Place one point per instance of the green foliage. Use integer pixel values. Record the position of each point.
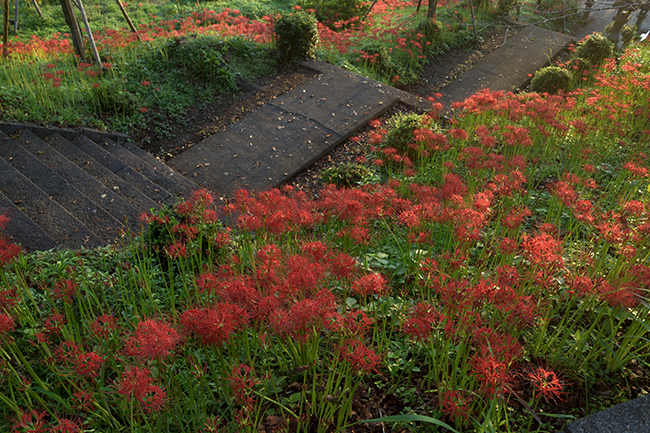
(348, 174)
(296, 35)
(202, 57)
(374, 54)
(430, 29)
(400, 134)
(330, 11)
(595, 48)
(551, 80)
(111, 97)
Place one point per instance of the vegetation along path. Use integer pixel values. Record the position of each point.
(480, 265)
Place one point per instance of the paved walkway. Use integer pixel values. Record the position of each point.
(290, 133)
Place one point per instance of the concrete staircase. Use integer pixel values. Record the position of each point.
(69, 188)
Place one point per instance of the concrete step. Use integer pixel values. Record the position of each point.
(57, 222)
(22, 230)
(106, 177)
(58, 189)
(123, 170)
(144, 168)
(160, 166)
(78, 178)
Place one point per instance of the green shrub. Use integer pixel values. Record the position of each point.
(296, 35)
(202, 57)
(330, 11)
(578, 65)
(551, 79)
(430, 29)
(595, 48)
(400, 134)
(348, 174)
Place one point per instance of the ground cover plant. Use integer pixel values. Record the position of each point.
(488, 274)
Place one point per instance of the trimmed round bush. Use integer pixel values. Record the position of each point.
(296, 35)
(596, 48)
(551, 79)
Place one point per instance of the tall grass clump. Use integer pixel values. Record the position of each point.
(494, 280)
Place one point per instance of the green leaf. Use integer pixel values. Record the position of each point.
(410, 418)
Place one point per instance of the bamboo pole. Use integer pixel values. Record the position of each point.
(89, 32)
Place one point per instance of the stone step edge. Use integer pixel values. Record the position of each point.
(68, 133)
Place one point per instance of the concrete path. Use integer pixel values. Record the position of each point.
(288, 134)
(510, 66)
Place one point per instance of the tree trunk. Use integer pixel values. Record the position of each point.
(71, 20)
(5, 33)
(433, 5)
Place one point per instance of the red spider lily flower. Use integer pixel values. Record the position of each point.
(65, 289)
(343, 266)
(152, 340)
(546, 385)
(491, 374)
(515, 217)
(456, 404)
(6, 325)
(32, 421)
(133, 381)
(137, 382)
(242, 381)
(618, 295)
(176, 250)
(507, 276)
(103, 326)
(581, 286)
(423, 321)
(543, 250)
(356, 323)
(8, 251)
(634, 208)
(67, 352)
(216, 325)
(88, 364)
(371, 284)
(207, 283)
(54, 323)
(636, 170)
(362, 359)
(508, 246)
(306, 317)
(67, 425)
(85, 400)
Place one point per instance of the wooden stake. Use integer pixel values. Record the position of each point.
(38, 10)
(16, 20)
(128, 20)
